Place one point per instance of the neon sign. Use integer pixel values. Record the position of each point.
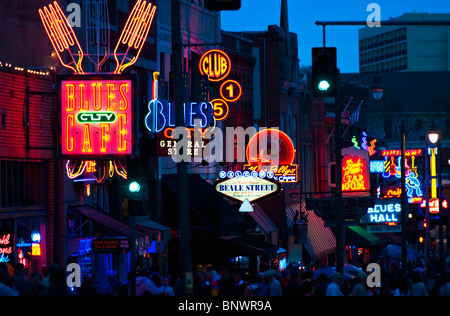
(231, 91)
(5, 247)
(96, 116)
(215, 64)
(162, 115)
(284, 170)
(383, 211)
(245, 185)
(355, 171)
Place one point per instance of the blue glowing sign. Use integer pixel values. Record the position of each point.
(376, 166)
(384, 211)
(162, 115)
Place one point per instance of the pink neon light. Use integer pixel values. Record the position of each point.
(89, 138)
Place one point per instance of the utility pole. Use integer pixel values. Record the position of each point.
(183, 189)
(340, 237)
(404, 202)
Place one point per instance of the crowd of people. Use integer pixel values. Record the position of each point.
(207, 281)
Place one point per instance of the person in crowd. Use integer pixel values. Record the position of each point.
(57, 282)
(402, 287)
(360, 287)
(444, 287)
(334, 288)
(222, 271)
(35, 286)
(294, 288)
(321, 285)
(275, 285)
(417, 287)
(6, 287)
(146, 286)
(263, 288)
(168, 288)
(18, 280)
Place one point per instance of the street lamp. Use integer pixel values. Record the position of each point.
(377, 88)
(434, 147)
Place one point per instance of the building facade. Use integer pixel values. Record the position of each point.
(405, 48)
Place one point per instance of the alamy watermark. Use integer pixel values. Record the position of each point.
(374, 277)
(374, 18)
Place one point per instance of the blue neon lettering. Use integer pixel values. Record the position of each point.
(192, 113)
(159, 113)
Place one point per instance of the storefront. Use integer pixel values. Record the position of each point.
(100, 244)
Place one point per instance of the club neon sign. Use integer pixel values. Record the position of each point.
(215, 64)
(96, 115)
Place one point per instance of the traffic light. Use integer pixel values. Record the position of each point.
(324, 72)
(136, 206)
(219, 5)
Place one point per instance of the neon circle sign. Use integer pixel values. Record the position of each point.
(286, 148)
(215, 64)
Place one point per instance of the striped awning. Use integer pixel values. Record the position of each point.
(320, 239)
(263, 220)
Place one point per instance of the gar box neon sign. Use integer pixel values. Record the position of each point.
(96, 116)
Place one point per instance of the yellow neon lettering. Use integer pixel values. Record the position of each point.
(105, 136)
(85, 104)
(111, 105)
(97, 106)
(70, 97)
(69, 140)
(122, 132)
(87, 139)
(123, 104)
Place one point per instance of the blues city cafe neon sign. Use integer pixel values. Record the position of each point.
(245, 185)
(96, 115)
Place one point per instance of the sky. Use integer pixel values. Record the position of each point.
(256, 15)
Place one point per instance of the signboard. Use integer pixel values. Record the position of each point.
(108, 245)
(374, 229)
(284, 170)
(355, 172)
(215, 64)
(7, 241)
(241, 186)
(384, 211)
(96, 116)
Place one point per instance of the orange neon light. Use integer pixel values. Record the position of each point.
(215, 64)
(62, 36)
(221, 109)
(70, 171)
(134, 34)
(397, 152)
(231, 91)
(354, 174)
(96, 117)
(287, 149)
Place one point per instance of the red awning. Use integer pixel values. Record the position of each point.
(320, 239)
(112, 223)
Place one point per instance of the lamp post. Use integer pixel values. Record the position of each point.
(436, 184)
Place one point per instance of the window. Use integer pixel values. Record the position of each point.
(23, 184)
(2, 119)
